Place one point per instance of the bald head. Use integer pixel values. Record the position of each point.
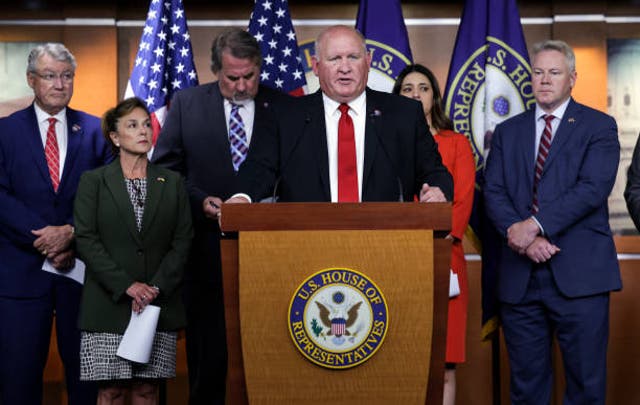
(341, 63)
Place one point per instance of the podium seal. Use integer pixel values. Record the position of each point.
(338, 318)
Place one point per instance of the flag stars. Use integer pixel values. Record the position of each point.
(186, 36)
(291, 35)
(138, 60)
(280, 13)
(159, 52)
(297, 75)
(192, 75)
(283, 67)
(179, 13)
(152, 15)
(273, 44)
(286, 51)
(148, 30)
(175, 29)
(259, 36)
(179, 68)
(184, 51)
(176, 84)
(267, 5)
(264, 76)
(164, 20)
(263, 21)
(268, 59)
(171, 45)
(277, 28)
(162, 36)
(153, 84)
(279, 83)
(156, 67)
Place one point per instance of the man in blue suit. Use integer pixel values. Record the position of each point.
(548, 177)
(43, 151)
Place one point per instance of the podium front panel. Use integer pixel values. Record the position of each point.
(273, 264)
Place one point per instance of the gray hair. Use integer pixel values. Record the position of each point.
(239, 43)
(560, 46)
(55, 50)
(321, 37)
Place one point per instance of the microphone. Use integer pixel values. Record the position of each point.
(372, 116)
(307, 121)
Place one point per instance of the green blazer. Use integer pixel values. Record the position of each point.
(117, 255)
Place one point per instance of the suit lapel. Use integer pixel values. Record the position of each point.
(563, 133)
(316, 129)
(372, 132)
(527, 146)
(155, 188)
(114, 180)
(216, 124)
(36, 148)
(74, 140)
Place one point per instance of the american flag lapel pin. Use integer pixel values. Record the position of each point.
(160, 179)
(75, 128)
(571, 120)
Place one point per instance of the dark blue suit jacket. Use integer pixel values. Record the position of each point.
(27, 199)
(578, 176)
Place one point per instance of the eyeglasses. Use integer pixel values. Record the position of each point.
(65, 77)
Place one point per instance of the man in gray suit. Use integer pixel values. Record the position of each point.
(206, 137)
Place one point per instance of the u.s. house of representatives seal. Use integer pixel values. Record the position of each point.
(338, 318)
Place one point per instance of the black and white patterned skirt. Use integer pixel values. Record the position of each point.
(98, 359)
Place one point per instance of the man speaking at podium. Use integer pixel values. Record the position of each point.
(345, 143)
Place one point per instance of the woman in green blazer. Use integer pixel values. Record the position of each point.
(133, 231)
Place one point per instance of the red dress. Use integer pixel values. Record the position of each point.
(458, 158)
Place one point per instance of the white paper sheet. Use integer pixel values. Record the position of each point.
(76, 273)
(137, 341)
(454, 286)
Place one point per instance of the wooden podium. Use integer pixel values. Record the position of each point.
(399, 246)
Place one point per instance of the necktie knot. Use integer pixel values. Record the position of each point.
(52, 121)
(344, 108)
(548, 118)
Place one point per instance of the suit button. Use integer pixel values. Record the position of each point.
(140, 252)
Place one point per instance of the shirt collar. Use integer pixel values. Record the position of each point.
(358, 105)
(42, 115)
(558, 112)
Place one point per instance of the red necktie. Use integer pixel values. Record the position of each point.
(347, 167)
(543, 152)
(53, 154)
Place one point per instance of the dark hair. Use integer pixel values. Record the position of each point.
(111, 117)
(239, 43)
(439, 119)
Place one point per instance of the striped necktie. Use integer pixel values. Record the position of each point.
(237, 137)
(52, 153)
(543, 152)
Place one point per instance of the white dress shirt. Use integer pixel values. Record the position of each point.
(357, 112)
(61, 131)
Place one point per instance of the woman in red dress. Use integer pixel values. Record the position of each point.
(418, 82)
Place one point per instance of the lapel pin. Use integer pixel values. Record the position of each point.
(160, 179)
(75, 128)
(571, 120)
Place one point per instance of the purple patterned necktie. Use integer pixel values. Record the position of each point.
(543, 152)
(237, 137)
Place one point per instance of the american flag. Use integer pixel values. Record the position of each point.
(164, 63)
(271, 26)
